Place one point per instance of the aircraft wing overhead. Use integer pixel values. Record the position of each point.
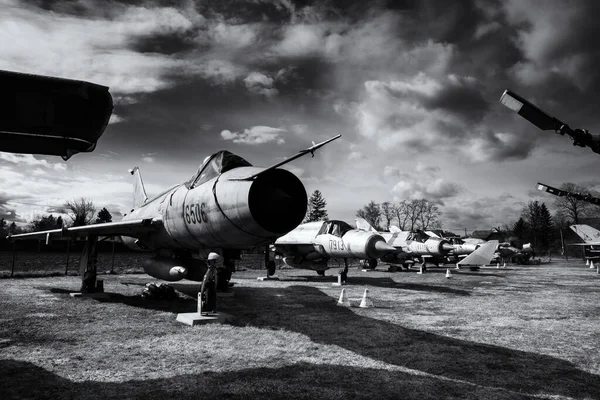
(482, 256)
(123, 228)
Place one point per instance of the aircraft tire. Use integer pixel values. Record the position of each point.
(321, 273)
(271, 268)
(372, 264)
(223, 277)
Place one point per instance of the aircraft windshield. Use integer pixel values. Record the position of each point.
(215, 165)
(418, 236)
(335, 228)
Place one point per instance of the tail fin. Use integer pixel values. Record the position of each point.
(363, 225)
(586, 232)
(482, 256)
(139, 193)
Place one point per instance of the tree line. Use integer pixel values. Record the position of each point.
(407, 215)
(80, 212)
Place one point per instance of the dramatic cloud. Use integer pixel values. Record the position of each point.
(255, 135)
(435, 191)
(413, 87)
(29, 160)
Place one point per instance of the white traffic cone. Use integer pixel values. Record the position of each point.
(366, 302)
(504, 266)
(591, 264)
(498, 264)
(448, 273)
(343, 301)
(587, 261)
(598, 269)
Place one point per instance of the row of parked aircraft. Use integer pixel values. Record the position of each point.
(228, 205)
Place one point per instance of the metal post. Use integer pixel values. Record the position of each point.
(112, 267)
(68, 249)
(12, 268)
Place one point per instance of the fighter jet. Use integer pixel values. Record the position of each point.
(227, 205)
(313, 244)
(420, 246)
(411, 245)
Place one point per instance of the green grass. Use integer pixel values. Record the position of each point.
(519, 332)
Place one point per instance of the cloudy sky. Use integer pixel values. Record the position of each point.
(413, 87)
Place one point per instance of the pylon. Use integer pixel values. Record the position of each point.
(591, 264)
(598, 269)
(448, 273)
(504, 266)
(343, 301)
(498, 264)
(587, 261)
(366, 302)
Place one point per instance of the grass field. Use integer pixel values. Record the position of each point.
(518, 332)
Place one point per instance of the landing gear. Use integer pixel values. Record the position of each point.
(372, 263)
(344, 271)
(208, 291)
(87, 266)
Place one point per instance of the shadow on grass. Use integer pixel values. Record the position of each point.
(352, 280)
(431, 288)
(491, 366)
(20, 379)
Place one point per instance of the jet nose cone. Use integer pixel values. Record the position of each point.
(447, 247)
(379, 248)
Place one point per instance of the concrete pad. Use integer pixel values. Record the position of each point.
(267, 278)
(98, 295)
(195, 318)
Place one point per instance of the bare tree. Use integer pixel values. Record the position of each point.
(569, 207)
(81, 211)
(429, 213)
(388, 213)
(401, 212)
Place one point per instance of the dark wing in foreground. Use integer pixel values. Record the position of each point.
(124, 228)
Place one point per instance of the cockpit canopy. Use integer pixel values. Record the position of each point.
(418, 236)
(335, 228)
(213, 166)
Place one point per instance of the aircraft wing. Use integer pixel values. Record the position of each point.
(584, 244)
(482, 256)
(123, 228)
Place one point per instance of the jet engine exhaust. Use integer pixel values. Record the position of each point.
(277, 201)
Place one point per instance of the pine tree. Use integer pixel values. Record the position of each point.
(103, 216)
(316, 208)
(520, 229)
(546, 228)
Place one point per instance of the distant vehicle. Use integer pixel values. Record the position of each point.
(312, 245)
(226, 206)
(51, 116)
